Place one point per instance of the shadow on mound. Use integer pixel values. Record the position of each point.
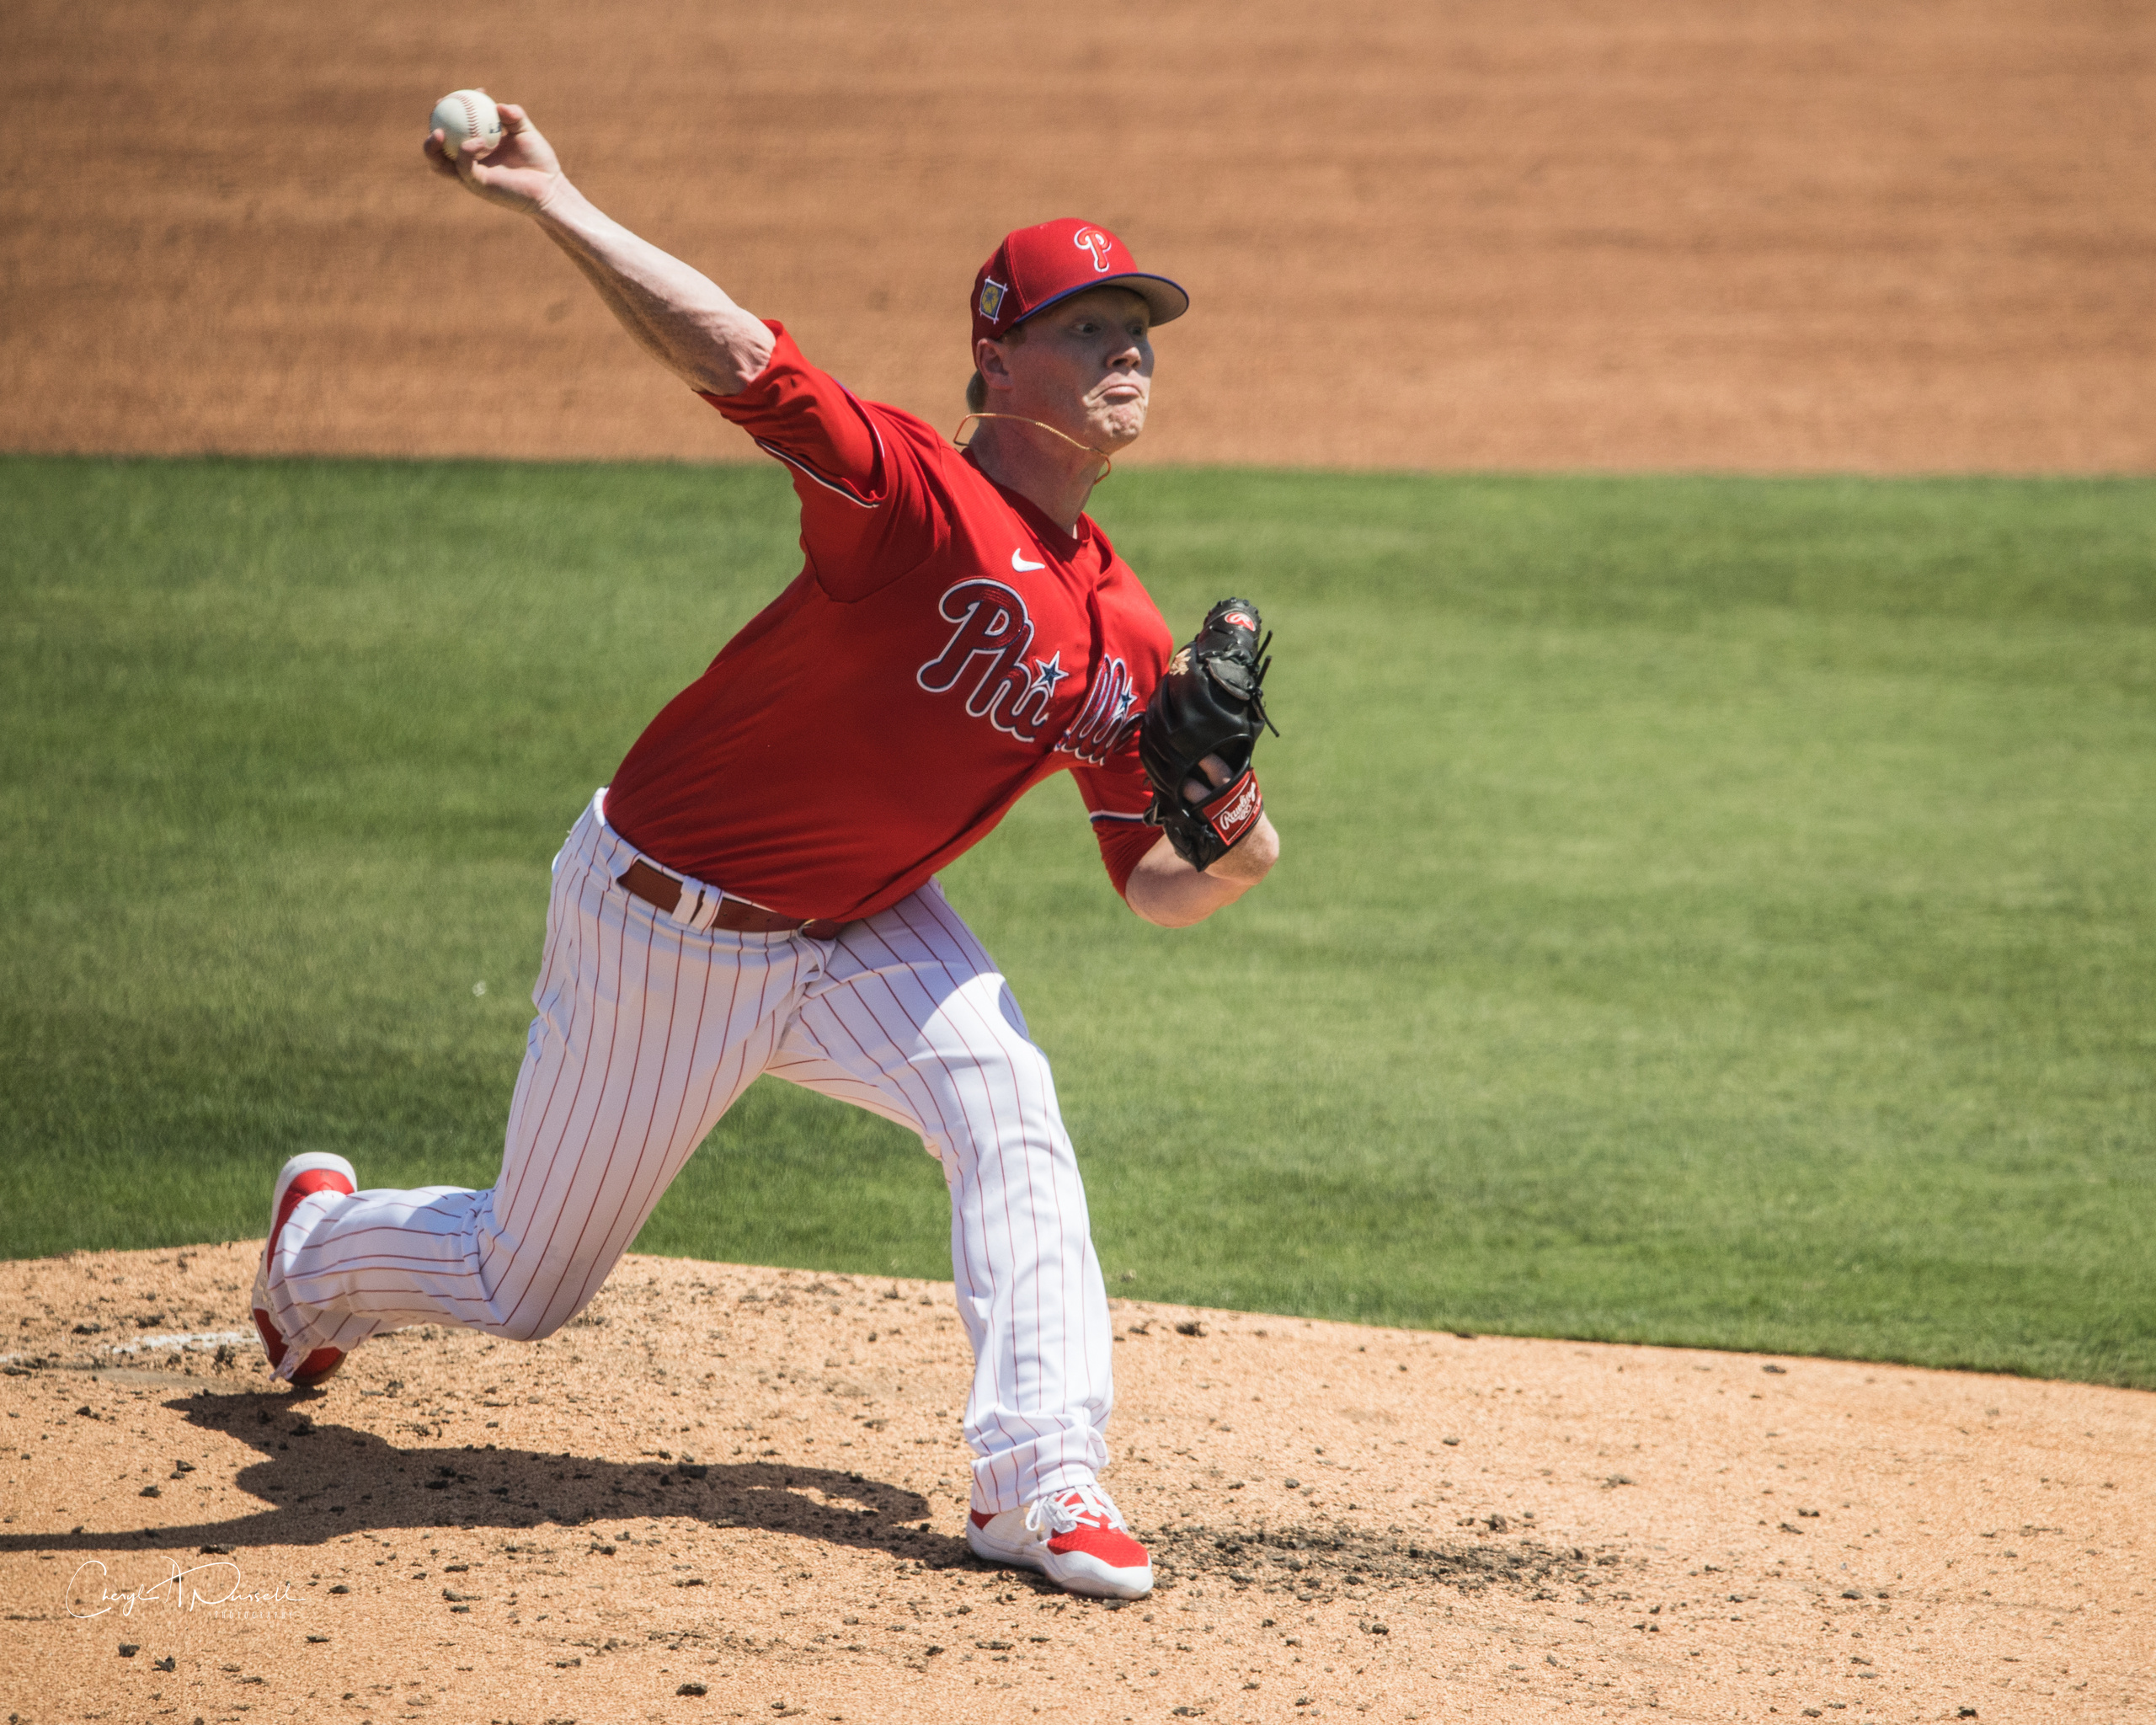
(1322, 1564)
(324, 1481)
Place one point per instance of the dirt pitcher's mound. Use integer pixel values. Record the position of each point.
(741, 1492)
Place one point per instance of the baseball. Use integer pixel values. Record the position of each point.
(466, 114)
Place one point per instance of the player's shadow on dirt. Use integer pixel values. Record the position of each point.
(323, 1481)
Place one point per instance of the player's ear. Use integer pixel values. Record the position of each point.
(990, 363)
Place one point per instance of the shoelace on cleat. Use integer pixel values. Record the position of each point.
(1047, 1517)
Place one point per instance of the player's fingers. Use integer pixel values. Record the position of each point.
(1196, 790)
(513, 118)
(431, 146)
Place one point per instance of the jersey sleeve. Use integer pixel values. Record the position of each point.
(865, 516)
(1117, 795)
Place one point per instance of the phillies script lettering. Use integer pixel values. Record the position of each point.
(993, 633)
(1104, 723)
(986, 657)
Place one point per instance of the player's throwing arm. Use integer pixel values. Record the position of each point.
(676, 314)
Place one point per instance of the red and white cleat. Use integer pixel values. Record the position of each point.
(1076, 1537)
(301, 1176)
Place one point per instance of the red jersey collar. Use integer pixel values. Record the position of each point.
(1059, 543)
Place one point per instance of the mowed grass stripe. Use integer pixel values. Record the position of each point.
(1713, 912)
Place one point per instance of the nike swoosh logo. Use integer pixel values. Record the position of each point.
(1021, 565)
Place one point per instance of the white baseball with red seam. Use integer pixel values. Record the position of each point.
(465, 113)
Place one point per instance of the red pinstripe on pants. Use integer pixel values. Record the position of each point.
(647, 1030)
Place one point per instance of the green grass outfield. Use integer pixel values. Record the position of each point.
(1713, 912)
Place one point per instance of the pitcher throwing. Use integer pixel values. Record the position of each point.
(754, 891)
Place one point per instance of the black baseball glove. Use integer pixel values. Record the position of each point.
(1209, 701)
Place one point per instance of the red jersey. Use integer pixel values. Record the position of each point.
(945, 647)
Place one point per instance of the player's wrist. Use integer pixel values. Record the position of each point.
(557, 201)
(1252, 858)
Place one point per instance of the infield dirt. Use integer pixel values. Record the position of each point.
(740, 1493)
(1881, 236)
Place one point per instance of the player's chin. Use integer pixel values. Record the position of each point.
(1119, 424)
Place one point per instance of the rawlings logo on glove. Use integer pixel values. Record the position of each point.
(1209, 703)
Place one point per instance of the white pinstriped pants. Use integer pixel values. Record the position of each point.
(647, 1030)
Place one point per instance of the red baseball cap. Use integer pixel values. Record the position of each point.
(1035, 267)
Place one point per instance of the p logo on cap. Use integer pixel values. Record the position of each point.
(1035, 267)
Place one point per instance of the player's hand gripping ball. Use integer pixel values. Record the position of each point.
(466, 114)
(1210, 701)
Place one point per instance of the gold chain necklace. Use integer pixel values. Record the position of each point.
(1107, 462)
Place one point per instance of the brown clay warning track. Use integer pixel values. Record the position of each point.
(1884, 238)
(751, 1481)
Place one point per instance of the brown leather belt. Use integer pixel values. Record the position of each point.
(656, 888)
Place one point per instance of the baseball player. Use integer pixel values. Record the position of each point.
(755, 890)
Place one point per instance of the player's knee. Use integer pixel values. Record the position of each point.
(1014, 1079)
(530, 1326)
(1014, 1062)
